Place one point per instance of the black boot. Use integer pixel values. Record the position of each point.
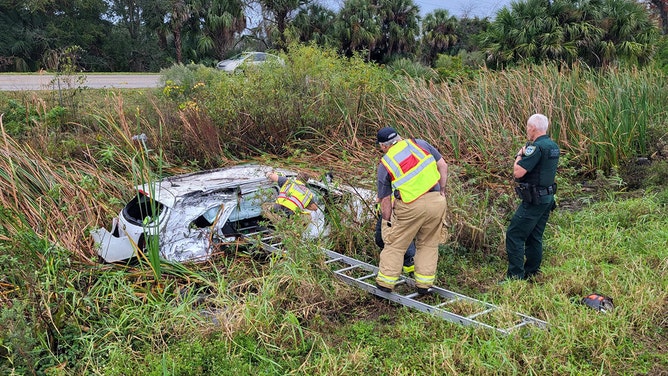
(384, 289)
(423, 290)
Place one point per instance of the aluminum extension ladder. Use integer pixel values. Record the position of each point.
(440, 302)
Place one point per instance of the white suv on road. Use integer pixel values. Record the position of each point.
(248, 59)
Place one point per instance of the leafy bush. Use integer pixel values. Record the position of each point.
(412, 69)
(317, 95)
(181, 82)
(463, 65)
(20, 345)
(661, 56)
(15, 119)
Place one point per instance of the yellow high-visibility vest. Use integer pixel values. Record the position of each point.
(294, 195)
(413, 170)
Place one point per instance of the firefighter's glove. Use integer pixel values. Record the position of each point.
(385, 227)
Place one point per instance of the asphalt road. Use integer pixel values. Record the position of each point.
(35, 81)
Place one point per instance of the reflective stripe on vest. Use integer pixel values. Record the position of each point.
(424, 279)
(389, 280)
(412, 169)
(294, 195)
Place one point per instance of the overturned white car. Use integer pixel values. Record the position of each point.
(186, 214)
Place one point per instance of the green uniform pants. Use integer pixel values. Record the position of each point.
(524, 239)
(421, 220)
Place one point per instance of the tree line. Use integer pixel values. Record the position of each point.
(148, 35)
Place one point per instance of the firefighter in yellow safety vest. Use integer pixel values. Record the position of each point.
(412, 178)
(294, 197)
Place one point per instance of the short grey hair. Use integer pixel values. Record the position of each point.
(539, 121)
(391, 141)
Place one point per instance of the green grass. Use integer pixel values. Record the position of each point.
(291, 315)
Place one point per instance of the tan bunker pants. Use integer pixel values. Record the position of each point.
(423, 220)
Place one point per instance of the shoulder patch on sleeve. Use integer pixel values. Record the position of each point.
(529, 150)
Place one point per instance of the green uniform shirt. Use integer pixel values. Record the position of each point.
(540, 159)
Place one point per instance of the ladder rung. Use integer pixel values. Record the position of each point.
(346, 269)
(333, 260)
(447, 302)
(366, 277)
(411, 295)
(523, 323)
(253, 233)
(246, 228)
(480, 313)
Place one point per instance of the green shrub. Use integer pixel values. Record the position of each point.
(316, 95)
(463, 65)
(661, 56)
(412, 69)
(15, 119)
(181, 82)
(21, 347)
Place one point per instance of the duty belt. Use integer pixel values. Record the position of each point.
(531, 194)
(549, 190)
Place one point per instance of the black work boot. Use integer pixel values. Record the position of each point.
(384, 289)
(423, 290)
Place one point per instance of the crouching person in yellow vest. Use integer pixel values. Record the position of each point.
(412, 177)
(294, 197)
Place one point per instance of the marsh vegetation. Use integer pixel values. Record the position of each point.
(68, 167)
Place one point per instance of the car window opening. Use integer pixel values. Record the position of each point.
(139, 210)
(247, 214)
(207, 219)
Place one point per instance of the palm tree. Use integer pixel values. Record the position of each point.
(399, 26)
(538, 31)
(315, 23)
(439, 33)
(498, 42)
(177, 18)
(282, 11)
(154, 14)
(629, 35)
(358, 27)
(221, 21)
(597, 32)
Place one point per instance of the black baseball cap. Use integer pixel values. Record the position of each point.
(386, 134)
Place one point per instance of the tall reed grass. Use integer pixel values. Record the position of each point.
(601, 119)
(58, 199)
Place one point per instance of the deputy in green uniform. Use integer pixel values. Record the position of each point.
(534, 170)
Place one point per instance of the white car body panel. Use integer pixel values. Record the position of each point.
(111, 248)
